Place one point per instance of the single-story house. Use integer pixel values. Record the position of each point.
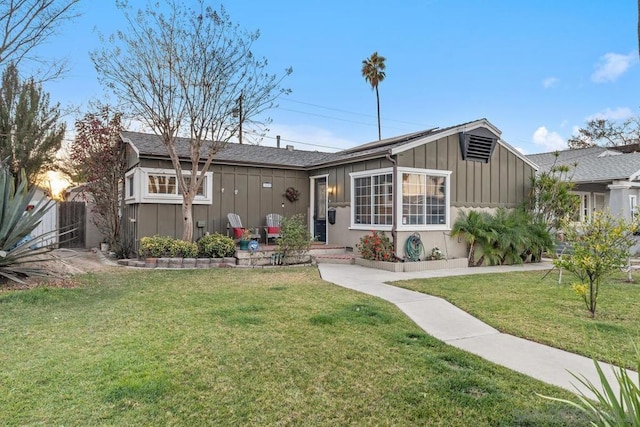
(417, 182)
(605, 178)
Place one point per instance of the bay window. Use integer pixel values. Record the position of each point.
(422, 202)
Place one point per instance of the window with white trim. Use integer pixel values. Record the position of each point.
(168, 184)
(424, 199)
(373, 199)
(155, 185)
(633, 205)
(423, 202)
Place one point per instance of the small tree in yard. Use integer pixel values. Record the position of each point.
(97, 158)
(295, 239)
(189, 72)
(598, 247)
(551, 198)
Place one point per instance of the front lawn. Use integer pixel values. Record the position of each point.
(524, 305)
(242, 347)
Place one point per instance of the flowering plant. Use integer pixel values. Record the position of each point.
(436, 253)
(376, 247)
(246, 234)
(292, 194)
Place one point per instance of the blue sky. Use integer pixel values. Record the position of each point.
(536, 70)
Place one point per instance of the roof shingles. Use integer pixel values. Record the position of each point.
(590, 165)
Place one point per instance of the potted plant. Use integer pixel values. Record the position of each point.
(245, 238)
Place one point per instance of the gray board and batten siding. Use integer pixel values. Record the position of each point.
(502, 181)
(252, 190)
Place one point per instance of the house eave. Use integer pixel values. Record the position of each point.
(226, 162)
(331, 163)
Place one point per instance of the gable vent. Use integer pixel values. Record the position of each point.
(476, 148)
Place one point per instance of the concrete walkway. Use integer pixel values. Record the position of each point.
(455, 327)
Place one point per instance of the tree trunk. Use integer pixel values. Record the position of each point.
(187, 218)
(378, 103)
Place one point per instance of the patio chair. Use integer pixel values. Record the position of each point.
(236, 225)
(273, 226)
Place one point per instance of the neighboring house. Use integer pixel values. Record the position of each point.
(604, 178)
(412, 183)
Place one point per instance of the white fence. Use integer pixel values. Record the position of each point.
(48, 224)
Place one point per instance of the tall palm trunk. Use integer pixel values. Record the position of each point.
(378, 103)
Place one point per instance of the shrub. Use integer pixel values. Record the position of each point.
(504, 237)
(182, 249)
(156, 246)
(295, 239)
(376, 247)
(216, 246)
(599, 247)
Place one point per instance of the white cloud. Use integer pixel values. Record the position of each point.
(550, 82)
(575, 130)
(551, 141)
(611, 66)
(521, 150)
(314, 138)
(619, 113)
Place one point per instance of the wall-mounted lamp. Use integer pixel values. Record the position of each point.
(235, 191)
(331, 190)
(222, 190)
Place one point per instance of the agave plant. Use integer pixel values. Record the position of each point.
(17, 248)
(616, 404)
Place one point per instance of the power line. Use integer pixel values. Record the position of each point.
(351, 112)
(295, 142)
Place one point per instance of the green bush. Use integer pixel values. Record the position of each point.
(156, 246)
(295, 239)
(216, 246)
(503, 237)
(182, 249)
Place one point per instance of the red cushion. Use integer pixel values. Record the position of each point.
(273, 230)
(237, 232)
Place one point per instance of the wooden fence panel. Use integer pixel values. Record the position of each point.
(72, 216)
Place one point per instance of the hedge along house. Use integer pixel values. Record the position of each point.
(419, 183)
(412, 183)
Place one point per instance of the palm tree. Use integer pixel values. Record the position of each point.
(472, 227)
(373, 73)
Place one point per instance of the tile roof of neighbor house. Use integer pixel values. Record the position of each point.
(593, 164)
(150, 145)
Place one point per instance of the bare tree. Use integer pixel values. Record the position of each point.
(26, 24)
(182, 72)
(607, 133)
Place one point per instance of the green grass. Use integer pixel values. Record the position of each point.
(243, 347)
(524, 305)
